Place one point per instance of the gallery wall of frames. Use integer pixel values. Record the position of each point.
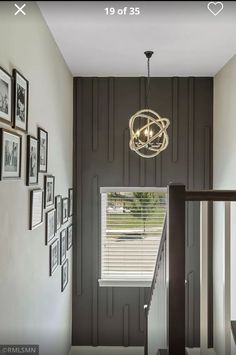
(56, 211)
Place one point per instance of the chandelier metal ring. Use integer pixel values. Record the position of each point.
(148, 146)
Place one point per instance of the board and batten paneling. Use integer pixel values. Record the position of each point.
(102, 107)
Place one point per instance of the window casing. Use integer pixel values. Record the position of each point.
(132, 220)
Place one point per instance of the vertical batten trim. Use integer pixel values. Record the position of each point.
(207, 158)
(191, 135)
(158, 170)
(141, 310)
(142, 161)
(126, 325)
(95, 260)
(175, 118)
(126, 158)
(190, 165)
(79, 182)
(110, 302)
(95, 116)
(110, 119)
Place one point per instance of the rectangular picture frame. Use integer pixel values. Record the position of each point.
(21, 101)
(58, 207)
(65, 206)
(63, 246)
(64, 275)
(49, 190)
(36, 208)
(42, 150)
(5, 97)
(70, 196)
(50, 225)
(10, 155)
(53, 256)
(32, 161)
(69, 236)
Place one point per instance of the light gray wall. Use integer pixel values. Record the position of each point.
(32, 307)
(224, 178)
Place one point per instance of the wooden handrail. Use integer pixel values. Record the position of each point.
(158, 259)
(211, 195)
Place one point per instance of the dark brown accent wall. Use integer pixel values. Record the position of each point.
(115, 316)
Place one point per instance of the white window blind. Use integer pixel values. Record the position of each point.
(132, 223)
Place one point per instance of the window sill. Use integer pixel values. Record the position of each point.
(124, 283)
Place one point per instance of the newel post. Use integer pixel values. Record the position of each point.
(176, 269)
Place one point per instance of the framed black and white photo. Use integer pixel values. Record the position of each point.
(70, 202)
(50, 225)
(54, 256)
(21, 94)
(36, 208)
(65, 206)
(42, 150)
(69, 236)
(49, 187)
(32, 161)
(62, 246)
(58, 206)
(64, 275)
(5, 97)
(10, 146)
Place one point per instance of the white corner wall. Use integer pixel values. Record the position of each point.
(224, 153)
(32, 308)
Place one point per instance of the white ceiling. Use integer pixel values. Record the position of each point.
(187, 39)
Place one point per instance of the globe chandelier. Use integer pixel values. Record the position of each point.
(148, 130)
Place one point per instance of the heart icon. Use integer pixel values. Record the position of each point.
(215, 7)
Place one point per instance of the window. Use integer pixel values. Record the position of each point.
(131, 228)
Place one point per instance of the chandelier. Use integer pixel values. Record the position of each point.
(148, 130)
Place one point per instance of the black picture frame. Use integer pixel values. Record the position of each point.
(20, 92)
(63, 245)
(32, 161)
(50, 225)
(53, 256)
(42, 134)
(58, 207)
(64, 275)
(69, 239)
(4, 157)
(65, 207)
(6, 80)
(34, 209)
(49, 200)
(71, 202)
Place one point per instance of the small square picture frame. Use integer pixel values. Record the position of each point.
(42, 150)
(50, 225)
(10, 155)
(32, 161)
(49, 190)
(5, 97)
(53, 256)
(69, 236)
(36, 208)
(21, 101)
(64, 275)
(65, 206)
